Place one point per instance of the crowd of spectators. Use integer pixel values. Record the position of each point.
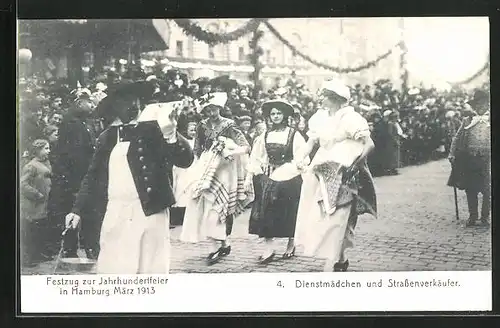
(408, 128)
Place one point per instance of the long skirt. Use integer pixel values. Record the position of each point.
(323, 235)
(218, 198)
(274, 213)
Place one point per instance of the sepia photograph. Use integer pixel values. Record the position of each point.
(249, 146)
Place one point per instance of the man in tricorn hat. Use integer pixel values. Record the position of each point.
(470, 156)
(129, 181)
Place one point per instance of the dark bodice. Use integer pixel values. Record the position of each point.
(280, 154)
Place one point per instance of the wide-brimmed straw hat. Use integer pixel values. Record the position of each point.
(280, 104)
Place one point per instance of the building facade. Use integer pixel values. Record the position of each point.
(339, 42)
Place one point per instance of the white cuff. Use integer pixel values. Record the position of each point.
(171, 139)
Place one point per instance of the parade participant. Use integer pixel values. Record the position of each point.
(35, 183)
(337, 185)
(274, 211)
(73, 153)
(218, 194)
(182, 178)
(470, 156)
(129, 182)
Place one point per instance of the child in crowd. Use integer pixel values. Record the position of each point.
(35, 189)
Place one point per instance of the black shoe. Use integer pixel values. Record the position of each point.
(341, 267)
(291, 254)
(485, 222)
(471, 221)
(267, 259)
(225, 251)
(216, 256)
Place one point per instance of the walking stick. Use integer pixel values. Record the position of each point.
(456, 203)
(455, 193)
(58, 259)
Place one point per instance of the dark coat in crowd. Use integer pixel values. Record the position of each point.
(71, 158)
(376, 159)
(471, 148)
(72, 155)
(392, 147)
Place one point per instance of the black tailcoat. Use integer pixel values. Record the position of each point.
(150, 159)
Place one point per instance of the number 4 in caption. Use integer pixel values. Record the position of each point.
(280, 284)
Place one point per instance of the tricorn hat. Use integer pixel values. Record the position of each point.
(280, 104)
(125, 90)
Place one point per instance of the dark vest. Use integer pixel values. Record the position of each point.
(150, 160)
(280, 154)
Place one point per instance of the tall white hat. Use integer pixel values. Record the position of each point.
(215, 98)
(338, 88)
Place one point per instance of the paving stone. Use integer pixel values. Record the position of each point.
(415, 230)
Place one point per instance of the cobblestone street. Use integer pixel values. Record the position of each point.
(416, 231)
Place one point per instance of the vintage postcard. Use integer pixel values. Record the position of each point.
(161, 159)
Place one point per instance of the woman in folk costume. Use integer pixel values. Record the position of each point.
(337, 185)
(218, 193)
(182, 179)
(274, 212)
(129, 180)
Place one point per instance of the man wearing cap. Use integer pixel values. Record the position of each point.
(470, 156)
(337, 185)
(73, 153)
(218, 194)
(129, 180)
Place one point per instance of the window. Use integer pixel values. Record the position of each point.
(179, 49)
(241, 53)
(211, 53)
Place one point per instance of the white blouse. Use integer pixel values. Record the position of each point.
(338, 135)
(258, 157)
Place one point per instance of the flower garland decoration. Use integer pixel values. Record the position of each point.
(485, 68)
(403, 68)
(193, 29)
(323, 65)
(254, 59)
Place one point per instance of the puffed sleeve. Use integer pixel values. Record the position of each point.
(314, 125)
(299, 143)
(258, 156)
(356, 126)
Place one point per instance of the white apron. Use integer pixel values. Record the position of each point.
(131, 243)
(182, 180)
